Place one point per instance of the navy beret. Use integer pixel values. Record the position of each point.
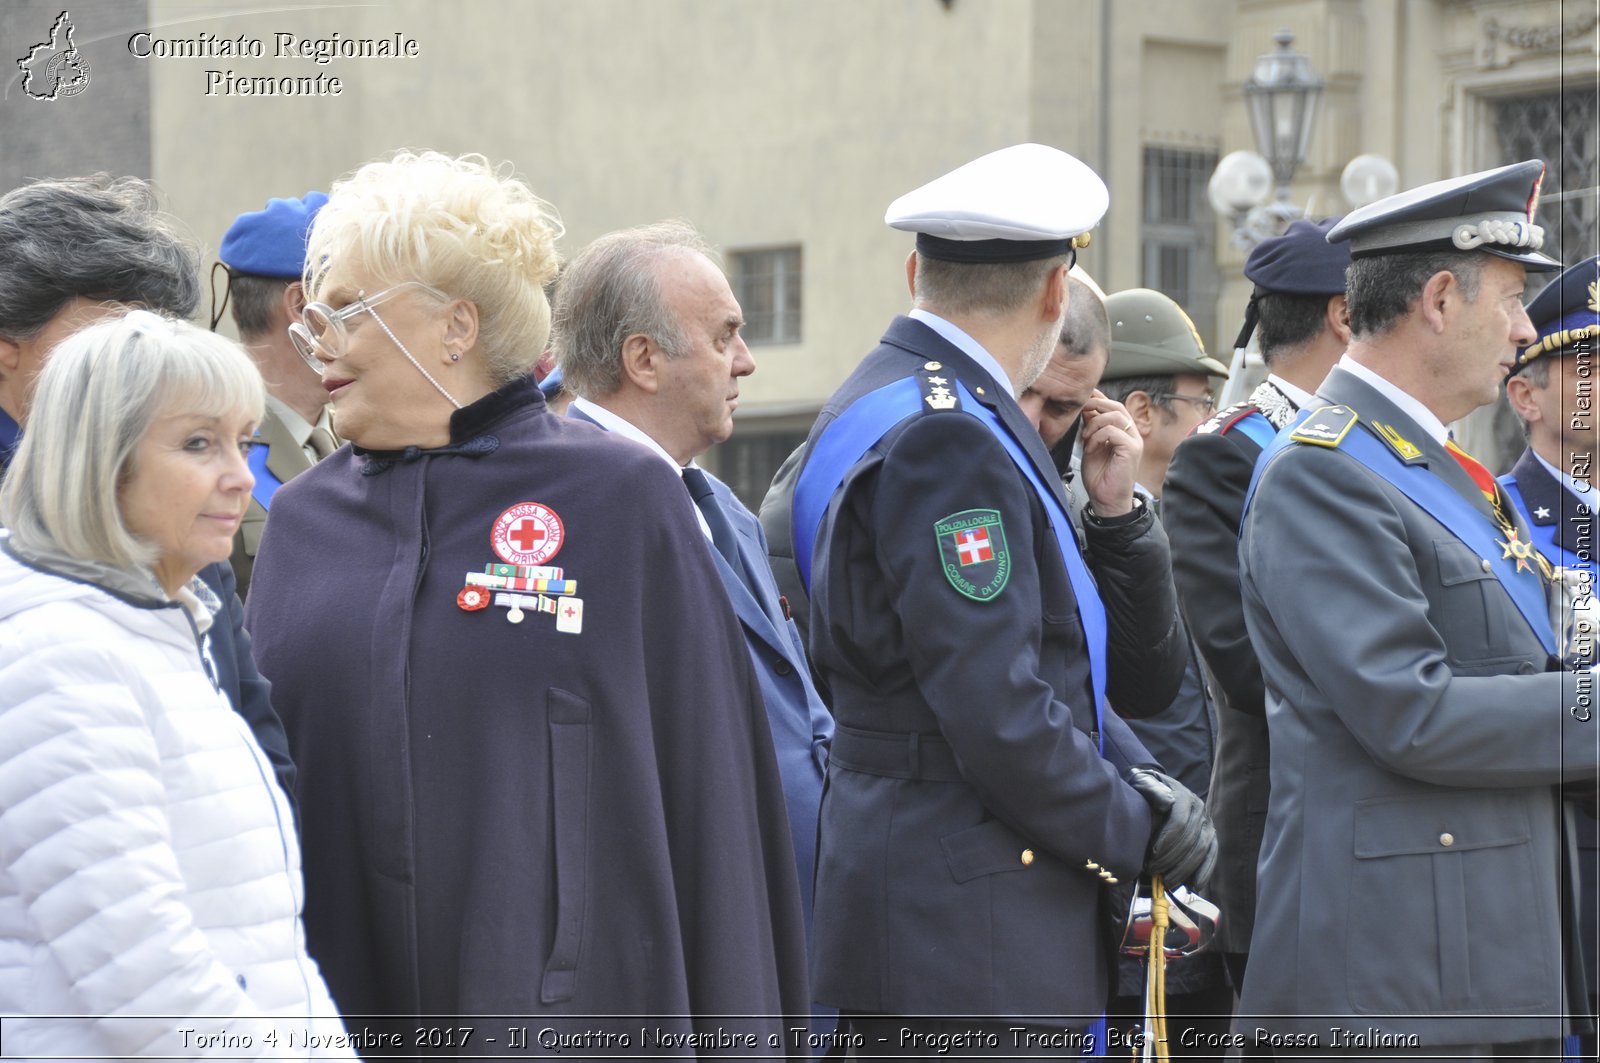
(1566, 312)
(1300, 262)
(272, 242)
(1491, 211)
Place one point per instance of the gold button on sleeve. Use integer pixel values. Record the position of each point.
(1027, 857)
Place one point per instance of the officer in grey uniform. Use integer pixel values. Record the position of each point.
(1417, 862)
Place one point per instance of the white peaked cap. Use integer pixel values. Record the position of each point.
(1024, 202)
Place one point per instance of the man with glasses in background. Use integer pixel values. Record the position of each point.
(1159, 370)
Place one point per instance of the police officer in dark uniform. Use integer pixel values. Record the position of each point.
(979, 799)
(1299, 307)
(1552, 485)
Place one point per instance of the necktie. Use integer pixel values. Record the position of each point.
(721, 531)
(1490, 487)
(322, 441)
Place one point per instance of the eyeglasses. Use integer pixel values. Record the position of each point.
(321, 328)
(320, 334)
(1204, 403)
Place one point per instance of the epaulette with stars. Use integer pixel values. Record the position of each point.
(938, 390)
(1225, 419)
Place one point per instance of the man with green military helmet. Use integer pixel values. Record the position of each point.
(1160, 371)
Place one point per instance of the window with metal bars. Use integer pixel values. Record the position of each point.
(767, 285)
(1562, 127)
(1178, 233)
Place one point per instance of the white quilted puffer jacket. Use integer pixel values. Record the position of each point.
(150, 885)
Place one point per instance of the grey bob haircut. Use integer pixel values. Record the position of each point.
(96, 398)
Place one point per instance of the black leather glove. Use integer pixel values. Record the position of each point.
(1183, 843)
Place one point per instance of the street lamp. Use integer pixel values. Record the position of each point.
(1282, 95)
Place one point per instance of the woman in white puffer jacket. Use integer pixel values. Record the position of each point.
(150, 886)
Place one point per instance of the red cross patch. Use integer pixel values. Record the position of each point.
(527, 534)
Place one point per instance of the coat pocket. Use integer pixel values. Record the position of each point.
(1445, 906)
(568, 717)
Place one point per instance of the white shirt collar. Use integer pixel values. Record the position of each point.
(1584, 492)
(628, 430)
(1409, 406)
(967, 346)
(1297, 395)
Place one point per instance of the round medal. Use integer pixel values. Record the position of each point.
(528, 533)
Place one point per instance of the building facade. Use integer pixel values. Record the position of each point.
(782, 129)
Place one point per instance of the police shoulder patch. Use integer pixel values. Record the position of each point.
(1326, 427)
(938, 388)
(973, 552)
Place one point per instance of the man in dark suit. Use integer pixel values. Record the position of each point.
(979, 800)
(72, 251)
(1552, 485)
(264, 252)
(1415, 865)
(1299, 306)
(647, 335)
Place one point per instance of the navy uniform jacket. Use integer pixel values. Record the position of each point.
(1201, 503)
(954, 874)
(801, 726)
(507, 818)
(1414, 869)
(1563, 529)
(237, 677)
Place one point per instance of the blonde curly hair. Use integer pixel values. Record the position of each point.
(472, 230)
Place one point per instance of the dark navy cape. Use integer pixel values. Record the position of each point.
(506, 819)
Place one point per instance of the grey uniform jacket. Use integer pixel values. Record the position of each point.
(1416, 860)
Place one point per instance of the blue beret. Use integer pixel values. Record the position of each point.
(1490, 211)
(1566, 312)
(1300, 262)
(272, 242)
(551, 384)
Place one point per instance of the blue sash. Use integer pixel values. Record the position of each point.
(266, 483)
(1256, 426)
(1443, 504)
(868, 420)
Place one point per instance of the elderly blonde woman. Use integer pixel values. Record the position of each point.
(536, 777)
(148, 863)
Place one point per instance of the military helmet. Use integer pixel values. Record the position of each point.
(1152, 336)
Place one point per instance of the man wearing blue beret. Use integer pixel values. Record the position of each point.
(1298, 307)
(1414, 868)
(263, 253)
(1552, 390)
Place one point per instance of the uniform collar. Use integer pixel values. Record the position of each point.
(1411, 407)
(968, 346)
(1297, 395)
(1583, 492)
(298, 428)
